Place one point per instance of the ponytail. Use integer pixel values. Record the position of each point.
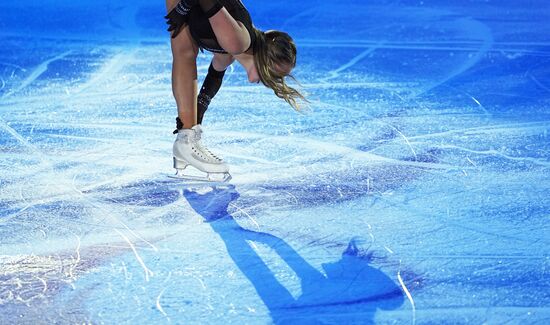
(270, 49)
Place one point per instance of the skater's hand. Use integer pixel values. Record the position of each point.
(176, 21)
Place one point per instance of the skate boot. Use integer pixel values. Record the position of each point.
(189, 150)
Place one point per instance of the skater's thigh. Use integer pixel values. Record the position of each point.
(183, 45)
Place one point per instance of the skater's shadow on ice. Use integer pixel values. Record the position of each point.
(349, 290)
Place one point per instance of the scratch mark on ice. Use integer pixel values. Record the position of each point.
(201, 282)
(536, 81)
(71, 269)
(108, 215)
(246, 214)
(409, 296)
(406, 141)
(138, 257)
(159, 307)
(480, 106)
(335, 73)
(36, 73)
(43, 283)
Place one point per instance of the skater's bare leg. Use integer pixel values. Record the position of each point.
(184, 73)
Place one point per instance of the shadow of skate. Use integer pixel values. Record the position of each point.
(349, 290)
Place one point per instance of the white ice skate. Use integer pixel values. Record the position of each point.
(189, 150)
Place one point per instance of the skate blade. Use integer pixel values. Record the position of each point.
(210, 178)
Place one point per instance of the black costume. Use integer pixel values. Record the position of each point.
(202, 32)
(196, 13)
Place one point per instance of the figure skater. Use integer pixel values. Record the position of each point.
(223, 27)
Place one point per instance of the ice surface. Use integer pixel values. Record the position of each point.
(414, 189)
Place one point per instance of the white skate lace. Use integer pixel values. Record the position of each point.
(201, 147)
(208, 152)
(204, 153)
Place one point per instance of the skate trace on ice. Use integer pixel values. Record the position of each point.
(412, 189)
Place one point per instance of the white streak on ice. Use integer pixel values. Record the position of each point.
(295, 199)
(514, 128)
(368, 185)
(13, 66)
(405, 138)
(159, 307)
(336, 73)
(23, 141)
(37, 72)
(201, 282)
(493, 152)
(44, 283)
(71, 269)
(107, 214)
(253, 244)
(13, 215)
(409, 296)
(114, 65)
(138, 257)
(479, 31)
(535, 80)
(323, 146)
(480, 106)
(246, 214)
(462, 46)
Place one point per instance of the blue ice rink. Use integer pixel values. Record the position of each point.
(414, 189)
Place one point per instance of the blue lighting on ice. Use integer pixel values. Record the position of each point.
(414, 188)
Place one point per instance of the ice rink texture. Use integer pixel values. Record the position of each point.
(413, 190)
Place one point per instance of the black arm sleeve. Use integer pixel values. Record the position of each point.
(209, 89)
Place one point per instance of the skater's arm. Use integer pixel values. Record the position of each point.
(212, 82)
(221, 61)
(231, 34)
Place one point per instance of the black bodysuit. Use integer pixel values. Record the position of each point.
(202, 32)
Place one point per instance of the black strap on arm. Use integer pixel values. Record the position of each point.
(209, 89)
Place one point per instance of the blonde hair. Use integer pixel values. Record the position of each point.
(274, 48)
